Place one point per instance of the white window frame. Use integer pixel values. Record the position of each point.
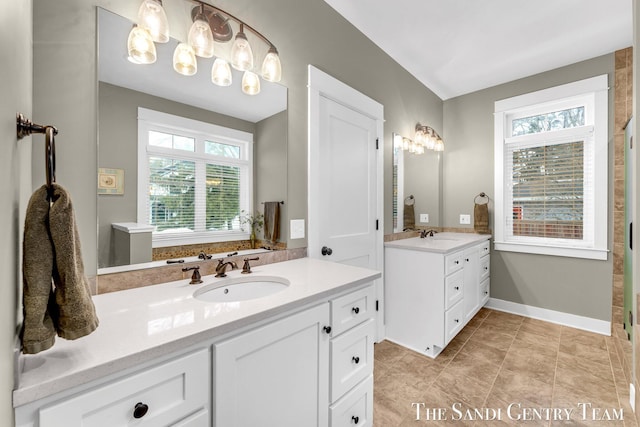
(593, 94)
(150, 120)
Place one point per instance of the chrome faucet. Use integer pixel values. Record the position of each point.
(425, 233)
(221, 268)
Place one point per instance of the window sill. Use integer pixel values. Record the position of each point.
(586, 253)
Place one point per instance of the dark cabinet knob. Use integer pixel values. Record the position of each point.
(326, 251)
(355, 359)
(355, 419)
(356, 310)
(456, 320)
(140, 410)
(456, 262)
(327, 329)
(457, 288)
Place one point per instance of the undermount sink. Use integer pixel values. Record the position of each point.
(241, 288)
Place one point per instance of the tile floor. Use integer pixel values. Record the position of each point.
(500, 359)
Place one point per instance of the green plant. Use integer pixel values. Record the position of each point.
(255, 221)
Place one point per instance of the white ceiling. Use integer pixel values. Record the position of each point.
(456, 47)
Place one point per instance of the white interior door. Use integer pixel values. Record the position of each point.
(345, 177)
(347, 198)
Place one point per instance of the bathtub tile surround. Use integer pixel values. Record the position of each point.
(535, 363)
(120, 281)
(184, 251)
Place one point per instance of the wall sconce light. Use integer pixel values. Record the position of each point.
(209, 24)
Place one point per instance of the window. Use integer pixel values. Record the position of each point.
(194, 179)
(551, 173)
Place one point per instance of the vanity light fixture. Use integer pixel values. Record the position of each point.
(429, 138)
(210, 25)
(407, 144)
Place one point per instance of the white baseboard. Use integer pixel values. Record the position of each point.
(579, 322)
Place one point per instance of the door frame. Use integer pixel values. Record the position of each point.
(321, 84)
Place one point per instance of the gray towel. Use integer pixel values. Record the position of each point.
(409, 217)
(481, 218)
(52, 251)
(271, 221)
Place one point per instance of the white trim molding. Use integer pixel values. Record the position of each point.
(566, 319)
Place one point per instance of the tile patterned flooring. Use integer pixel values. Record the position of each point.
(500, 359)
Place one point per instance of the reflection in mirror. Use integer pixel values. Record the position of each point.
(125, 90)
(416, 181)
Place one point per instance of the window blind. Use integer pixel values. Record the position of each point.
(548, 193)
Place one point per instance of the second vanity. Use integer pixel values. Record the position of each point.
(163, 357)
(433, 287)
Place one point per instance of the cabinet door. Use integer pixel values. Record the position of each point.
(471, 262)
(276, 375)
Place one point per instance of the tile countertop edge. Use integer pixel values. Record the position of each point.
(50, 386)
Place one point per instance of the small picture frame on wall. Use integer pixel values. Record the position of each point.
(110, 181)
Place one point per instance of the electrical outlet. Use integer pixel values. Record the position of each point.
(465, 219)
(424, 218)
(297, 228)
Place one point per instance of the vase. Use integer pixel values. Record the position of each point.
(253, 239)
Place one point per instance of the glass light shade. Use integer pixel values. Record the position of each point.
(405, 143)
(439, 145)
(221, 72)
(241, 53)
(184, 60)
(420, 137)
(430, 142)
(397, 141)
(412, 147)
(250, 83)
(200, 37)
(151, 16)
(271, 67)
(420, 149)
(140, 46)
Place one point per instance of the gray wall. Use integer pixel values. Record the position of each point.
(15, 174)
(118, 148)
(570, 285)
(305, 32)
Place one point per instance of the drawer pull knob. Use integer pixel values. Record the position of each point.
(486, 268)
(456, 262)
(466, 259)
(327, 329)
(356, 310)
(486, 292)
(355, 419)
(140, 410)
(457, 288)
(456, 320)
(355, 359)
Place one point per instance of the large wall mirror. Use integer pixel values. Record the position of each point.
(417, 188)
(124, 88)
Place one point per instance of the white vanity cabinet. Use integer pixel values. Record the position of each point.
(312, 366)
(173, 393)
(431, 295)
(276, 374)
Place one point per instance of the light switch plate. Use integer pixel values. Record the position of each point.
(297, 229)
(465, 219)
(424, 218)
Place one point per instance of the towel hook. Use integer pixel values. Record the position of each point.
(25, 127)
(409, 200)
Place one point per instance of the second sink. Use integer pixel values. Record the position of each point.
(241, 289)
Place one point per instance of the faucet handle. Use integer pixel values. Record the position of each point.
(246, 268)
(195, 277)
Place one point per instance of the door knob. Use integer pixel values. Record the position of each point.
(326, 251)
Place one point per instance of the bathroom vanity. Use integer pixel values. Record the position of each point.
(165, 355)
(433, 287)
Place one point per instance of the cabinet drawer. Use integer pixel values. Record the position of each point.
(171, 391)
(351, 358)
(453, 288)
(485, 290)
(453, 321)
(200, 419)
(485, 267)
(351, 309)
(355, 408)
(485, 248)
(453, 262)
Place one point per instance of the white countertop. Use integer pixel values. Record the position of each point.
(141, 324)
(440, 242)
